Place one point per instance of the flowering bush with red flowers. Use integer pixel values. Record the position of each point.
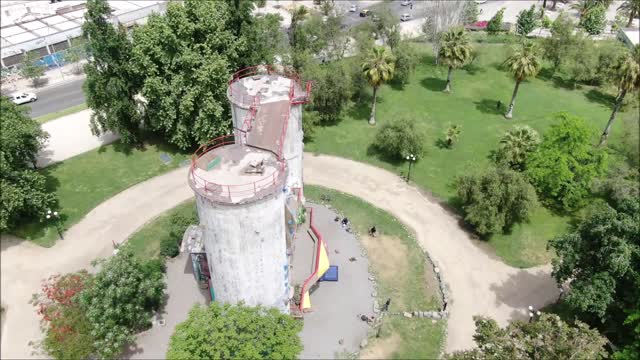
(64, 321)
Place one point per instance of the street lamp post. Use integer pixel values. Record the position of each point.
(411, 159)
(55, 217)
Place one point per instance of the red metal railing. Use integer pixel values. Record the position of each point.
(245, 99)
(228, 190)
(314, 276)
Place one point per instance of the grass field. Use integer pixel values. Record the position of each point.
(399, 265)
(54, 115)
(146, 242)
(472, 104)
(83, 182)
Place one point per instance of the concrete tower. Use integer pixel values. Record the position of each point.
(243, 183)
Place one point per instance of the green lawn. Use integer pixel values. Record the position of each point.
(83, 182)
(472, 104)
(146, 241)
(54, 115)
(419, 338)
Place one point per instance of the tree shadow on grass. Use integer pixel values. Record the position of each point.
(473, 69)
(489, 106)
(441, 144)
(361, 109)
(433, 84)
(597, 96)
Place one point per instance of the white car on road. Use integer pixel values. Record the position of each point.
(353, 8)
(405, 17)
(23, 97)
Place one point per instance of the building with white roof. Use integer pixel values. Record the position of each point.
(48, 26)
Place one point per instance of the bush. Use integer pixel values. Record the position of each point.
(124, 294)
(527, 21)
(310, 120)
(495, 24)
(224, 331)
(495, 200)
(470, 12)
(594, 20)
(31, 69)
(565, 164)
(169, 246)
(399, 138)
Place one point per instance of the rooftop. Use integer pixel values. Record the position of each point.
(234, 173)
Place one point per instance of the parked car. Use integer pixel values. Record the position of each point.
(406, 3)
(22, 98)
(480, 1)
(353, 8)
(405, 17)
(364, 13)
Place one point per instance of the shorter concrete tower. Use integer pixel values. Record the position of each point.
(243, 184)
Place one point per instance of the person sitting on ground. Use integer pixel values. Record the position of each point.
(345, 222)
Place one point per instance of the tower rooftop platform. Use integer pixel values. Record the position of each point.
(231, 173)
(264, 84)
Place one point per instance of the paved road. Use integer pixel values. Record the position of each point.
(57, 98)
(352, 19)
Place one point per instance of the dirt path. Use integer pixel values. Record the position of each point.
(479, 284)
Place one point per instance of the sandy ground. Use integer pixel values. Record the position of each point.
(479, 283)
(70, 136)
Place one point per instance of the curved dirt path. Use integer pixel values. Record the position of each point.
(479, 284)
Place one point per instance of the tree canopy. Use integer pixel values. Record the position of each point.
(495, 200)
(224, 331)
(111, 83)
(24, 193)
(399, 138)
(545, 338)
(565, 164)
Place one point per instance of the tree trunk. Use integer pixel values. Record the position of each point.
(509, 113)
(544, 4)
(553, 7)
(632, 14)
(607, 129)
(448, 87)
(372, 118)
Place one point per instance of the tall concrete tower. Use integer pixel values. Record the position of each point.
(243, 183)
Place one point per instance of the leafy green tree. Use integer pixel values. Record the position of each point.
(523, 63)
(601, 260)
(235, 332)
(622, 182)
(630, 8)
(546, 338)
(515, 147)
(562, 39)
(632, 350)
(75, 53)
(266, 39)
(121, 300)
(31, 68)
(470, 12)
(628, 78)
(111, 84)
(185, 58)
(387, 26)
(594, 20)
(455, 51)
(399, 138)
(527, 21)
(406, 62)
(24, 193)
(378, 68)
(495, 23)
(566, 163)
(241, 17)
(298, 14)
(331, 90)
(495, 200)
(452, 134)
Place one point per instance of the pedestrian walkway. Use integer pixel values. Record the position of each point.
(52, 78)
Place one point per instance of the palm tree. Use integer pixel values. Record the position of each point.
(583, 6)
(631, 8)
(524, 63)
(628, 80)
(455, 51)
(378, 68)
(516, 145)
(452, 134)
